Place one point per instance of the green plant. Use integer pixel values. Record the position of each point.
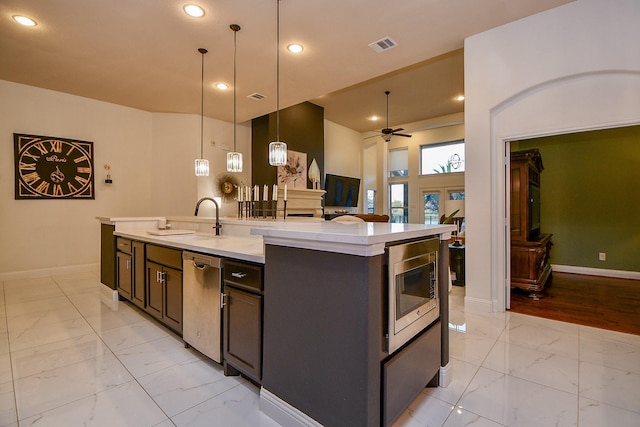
(444, 168)
(450, 217)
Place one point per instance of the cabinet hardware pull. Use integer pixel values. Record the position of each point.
(128, 264)
(222, 300)
(160, 276)
(239, 275)
(200, 266)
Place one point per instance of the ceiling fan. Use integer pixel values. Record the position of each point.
(387, 132)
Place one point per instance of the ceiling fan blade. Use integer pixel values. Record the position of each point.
(402, 134)
(396, 130)
(373, 136)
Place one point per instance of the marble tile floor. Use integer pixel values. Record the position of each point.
(69, 357)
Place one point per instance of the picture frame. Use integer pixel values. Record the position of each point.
(48, 167)
(294, 173)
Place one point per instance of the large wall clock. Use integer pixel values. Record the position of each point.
(53, 168)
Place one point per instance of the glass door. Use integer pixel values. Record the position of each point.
(399, 198)
(431, 203)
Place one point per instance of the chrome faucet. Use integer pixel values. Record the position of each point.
(218, 226)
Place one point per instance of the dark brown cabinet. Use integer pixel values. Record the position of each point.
(530, 249)
(124, 267)
(130, 270)
(164, 285)
(242, 335)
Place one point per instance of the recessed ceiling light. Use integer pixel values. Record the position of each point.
(295, 48)
(222, 86)
(460, 98)
(194, 10)
(27, 22)
(374, 118)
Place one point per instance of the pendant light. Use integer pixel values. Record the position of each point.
(202, 164)
(234, 158)
(277, 148)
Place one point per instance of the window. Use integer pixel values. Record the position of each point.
(399, 162)
(431, 207)
(441, 202)
(442, 158)
(454, 205)
(399, 202)
(456, 195)
(371, 201)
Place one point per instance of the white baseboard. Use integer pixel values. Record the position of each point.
(618, 274)
(108, 294)
(446, 376)
(283, 413)
(478, 305)
(52, 271)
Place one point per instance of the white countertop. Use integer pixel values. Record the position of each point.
(244, 248)
(356, 238)
(245, 239)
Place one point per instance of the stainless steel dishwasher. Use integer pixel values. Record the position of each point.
(201, 315)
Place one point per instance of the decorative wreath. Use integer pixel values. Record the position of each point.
(227, 185)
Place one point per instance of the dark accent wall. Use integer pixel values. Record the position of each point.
(301, 127)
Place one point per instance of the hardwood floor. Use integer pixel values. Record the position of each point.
(601, 302)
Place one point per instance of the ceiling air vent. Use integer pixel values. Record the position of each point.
(383, 44)
(256, 96)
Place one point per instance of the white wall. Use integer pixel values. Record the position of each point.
(151, 157)
(575, 67)
(445, 128)
(176, 145)
(343, 154)
(219, 136)
(440, 129)
(40, 234)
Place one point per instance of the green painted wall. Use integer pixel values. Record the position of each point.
(591, 196)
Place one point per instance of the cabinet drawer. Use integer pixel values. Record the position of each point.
(247, 276)
(165, 256)
(123, 245)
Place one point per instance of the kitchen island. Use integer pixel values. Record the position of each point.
(324, 350)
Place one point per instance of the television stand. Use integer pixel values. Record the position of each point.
(530, 250)
(530, 267)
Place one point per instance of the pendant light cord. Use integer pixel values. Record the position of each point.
(202, 51)
(235, 54)
(278, 75)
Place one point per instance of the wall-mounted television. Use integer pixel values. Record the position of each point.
(341, 191)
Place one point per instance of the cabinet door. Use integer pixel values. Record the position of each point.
(124, 275)
(243, 332)
(155, 290)
(139, 275)
(172, 314)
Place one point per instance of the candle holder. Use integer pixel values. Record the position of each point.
(261, 209)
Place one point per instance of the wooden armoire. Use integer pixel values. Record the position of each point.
(530, 249)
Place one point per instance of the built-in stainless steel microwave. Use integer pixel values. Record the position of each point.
(412, 290)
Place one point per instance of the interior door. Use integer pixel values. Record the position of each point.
(507, 225)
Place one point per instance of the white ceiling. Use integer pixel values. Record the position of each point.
(143, 53)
